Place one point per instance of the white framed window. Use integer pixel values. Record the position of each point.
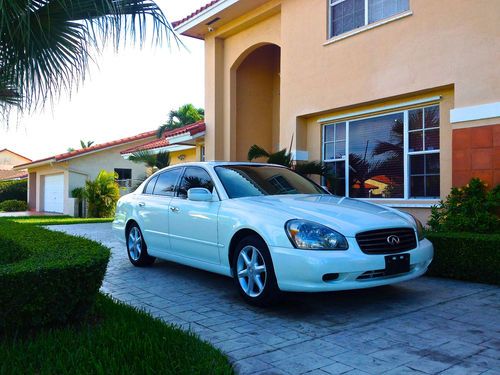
(393, 155)
(347, 15)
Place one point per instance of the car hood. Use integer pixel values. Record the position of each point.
(345, 215)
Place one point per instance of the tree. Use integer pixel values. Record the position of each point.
(284, 157)
(86, 144)
(102, 194)
(151, 160)
(83, 144)
(184, 115)
(46, 45)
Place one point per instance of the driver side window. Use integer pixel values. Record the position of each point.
(194, 177)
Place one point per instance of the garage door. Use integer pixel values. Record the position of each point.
(54, 193)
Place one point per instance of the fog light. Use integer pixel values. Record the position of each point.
(330, 276)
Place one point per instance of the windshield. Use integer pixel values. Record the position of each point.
(248, 181)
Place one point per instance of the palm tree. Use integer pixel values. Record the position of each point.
(184, 115)
(284, 157)
(46, 45)
(151, 160)
(86, 144)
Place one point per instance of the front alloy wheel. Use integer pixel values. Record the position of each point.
(251, 271)
(254, 272)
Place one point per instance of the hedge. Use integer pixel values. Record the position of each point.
(17, 190)
(46, 278)
(466, 256)
(13, 205)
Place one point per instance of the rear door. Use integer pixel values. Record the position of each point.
(153, 207)
(193, 224)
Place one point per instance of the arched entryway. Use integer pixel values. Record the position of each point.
(256, 103)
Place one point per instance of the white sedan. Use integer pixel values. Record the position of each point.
(270, 229)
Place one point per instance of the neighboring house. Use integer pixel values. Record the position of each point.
(404, 89)
(9, 159)
(51, 180)
(184, 144)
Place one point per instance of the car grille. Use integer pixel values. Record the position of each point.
(376, 241)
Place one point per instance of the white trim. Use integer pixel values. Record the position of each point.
(366, 27)
(475, 112)
(406, 157)
(428, 100)
(170, 148)
(183, 137)
(204, 15)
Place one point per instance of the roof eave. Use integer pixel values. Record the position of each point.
(203, 16)
(38, 163)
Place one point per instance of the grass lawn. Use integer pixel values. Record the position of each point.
(115, 339)
(55, 220)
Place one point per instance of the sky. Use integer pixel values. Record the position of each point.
(129, 92)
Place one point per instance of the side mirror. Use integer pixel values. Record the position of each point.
(199, 194)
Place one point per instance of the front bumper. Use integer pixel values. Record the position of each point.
(302, 270)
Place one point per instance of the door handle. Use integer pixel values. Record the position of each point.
(141, 204)
(174, 209)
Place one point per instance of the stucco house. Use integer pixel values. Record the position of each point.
(51, 180)
(8, 160)
(400, 98)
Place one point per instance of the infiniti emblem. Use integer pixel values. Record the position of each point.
(393, 240)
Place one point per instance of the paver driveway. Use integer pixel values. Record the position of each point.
(427, 325)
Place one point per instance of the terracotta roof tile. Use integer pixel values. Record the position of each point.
(195, 13)
(12, 175)
(192, 129)
(100, 146)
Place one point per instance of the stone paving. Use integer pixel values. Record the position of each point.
(424, 326)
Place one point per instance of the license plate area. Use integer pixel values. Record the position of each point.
(396, 264)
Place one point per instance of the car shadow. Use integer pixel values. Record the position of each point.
(341, 306)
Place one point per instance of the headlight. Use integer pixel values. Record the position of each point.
(307, 235)
(420, 228)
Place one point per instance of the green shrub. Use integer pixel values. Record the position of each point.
(470, 208)
(102, 194)
(13, 205)
(50, 277)
(466, 256)
(17, 190)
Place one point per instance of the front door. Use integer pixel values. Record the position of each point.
(193, 224)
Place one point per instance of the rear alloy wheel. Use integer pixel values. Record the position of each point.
(254, 272)
(136, 248)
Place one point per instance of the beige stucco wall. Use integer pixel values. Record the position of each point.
(8, 159)
(76, 171)
(449, 48)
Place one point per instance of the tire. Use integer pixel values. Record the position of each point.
(137, 250)
(257, 285)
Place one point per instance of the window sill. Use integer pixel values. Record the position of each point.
(367, 27)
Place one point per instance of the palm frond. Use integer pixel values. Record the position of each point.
(46, 46)
(310, 167)
(144, 157)
(256, 152)
(162, 159)
(282, 157)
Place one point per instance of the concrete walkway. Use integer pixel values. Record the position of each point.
(424, 326)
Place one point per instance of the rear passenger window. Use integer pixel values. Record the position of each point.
(166, 182)
(195, 178)
(150, 186)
